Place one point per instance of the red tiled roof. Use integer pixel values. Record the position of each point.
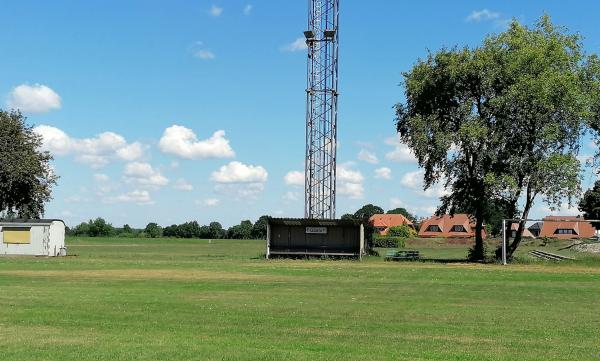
(388, 220)
(446, 223)
(580, 228)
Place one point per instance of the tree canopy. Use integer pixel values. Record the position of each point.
(501, 123)
(590, 203)
(403, 212)
(26, 177)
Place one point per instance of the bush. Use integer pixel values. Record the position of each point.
(388, 242)
(403, 231)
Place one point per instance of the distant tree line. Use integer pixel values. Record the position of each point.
(214, 230)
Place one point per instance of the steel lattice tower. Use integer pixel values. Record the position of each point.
(322, 39)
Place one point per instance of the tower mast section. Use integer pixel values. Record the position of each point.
(322, 38)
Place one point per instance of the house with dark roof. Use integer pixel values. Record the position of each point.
(446, 226)
(383, 222)
(567, 227)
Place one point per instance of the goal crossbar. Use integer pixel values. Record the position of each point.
(516, 220)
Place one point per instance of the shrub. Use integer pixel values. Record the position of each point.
(388, 242)
(403, 231)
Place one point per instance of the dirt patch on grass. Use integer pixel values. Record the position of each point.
(149, 274)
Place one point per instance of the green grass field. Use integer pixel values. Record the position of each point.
(122, 299)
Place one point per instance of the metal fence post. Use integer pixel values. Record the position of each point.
(504, 262)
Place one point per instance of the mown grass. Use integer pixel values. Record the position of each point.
(141, 299)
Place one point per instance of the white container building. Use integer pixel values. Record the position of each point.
(36, 237)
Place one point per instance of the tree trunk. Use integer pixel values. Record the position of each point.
(479, 251)
(519, 236)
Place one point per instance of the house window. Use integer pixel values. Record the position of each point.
(380, 229)
(434, 228)
(565, 231)
(458, 228)
(16, 235)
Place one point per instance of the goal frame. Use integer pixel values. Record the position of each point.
(519, 220)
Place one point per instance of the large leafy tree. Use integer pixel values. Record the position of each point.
(26, 177)
(590, 203)
(501, 123)
(403, 212)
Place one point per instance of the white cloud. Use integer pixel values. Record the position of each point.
(143, 174)
(367, 156)
(248, 9)
(401, 152)
(294, 178)
(351, 190)
(101, 178)
(347, 175)
(350, 182)
(297, 45)
(414, 181)
(183, 185)
(204, 54)
(396, 203)
(138, 197)
(182, 142)
(291, 196)
(240, 191)
(482, 15)
(210, 202)
(35, 98)
(383, 173)
(95, 152)
(215, 11)
(237, 172)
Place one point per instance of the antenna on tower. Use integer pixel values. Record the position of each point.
(322, 38)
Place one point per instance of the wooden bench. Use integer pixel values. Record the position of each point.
(404, 255)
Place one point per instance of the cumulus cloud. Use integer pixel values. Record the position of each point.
(237, 172)
(139, 197)
(350, 182)
(35, 98)
(383, 173)
(396, 203)
(198, 50)
(95, 152)
(101, 178)
(143, 174)
(291, 196)
(204, 54)
(210, 202)
(183, 142)
(215, 11)
(482, 15)
(240, 191)
(401, 152)
(183, 185)
(294, 178)
(248, 9)
(367, 156)
(414, 181)
(297, 45)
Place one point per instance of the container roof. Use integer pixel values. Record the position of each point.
(29, 221)
(313, 222)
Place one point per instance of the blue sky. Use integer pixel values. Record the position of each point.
(169, 111)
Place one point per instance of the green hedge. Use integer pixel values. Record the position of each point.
(388, 242)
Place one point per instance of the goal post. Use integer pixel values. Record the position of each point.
(556, 227)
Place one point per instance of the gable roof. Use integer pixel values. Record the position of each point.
(389, 220)
(445, 224)
(526, 231)
(581, 228)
